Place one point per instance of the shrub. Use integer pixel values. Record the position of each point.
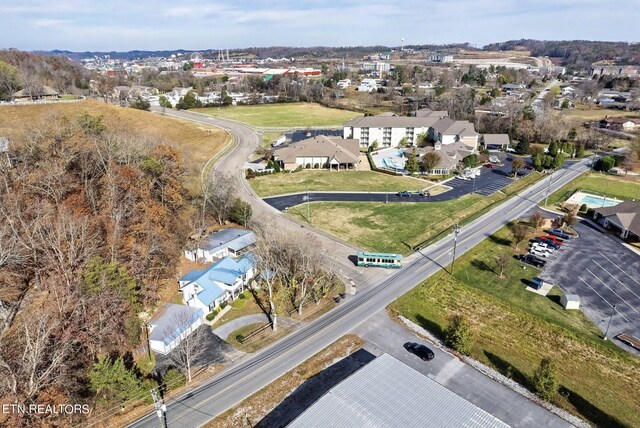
(583, 208)
(240, 338)
(211, 315)
(308, 166)
(316, 165)
(458, 334)
(173, 380)
(276, 167)
(250, 174)
(242, 296)
(326, 165)
(590, 212)
(223, 305)
(544, 381)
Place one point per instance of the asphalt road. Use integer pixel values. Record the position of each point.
(382, 335)
(489, 181)
(255, 371)
(603, 272)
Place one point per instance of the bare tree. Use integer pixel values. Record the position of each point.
(268, 263)
(629, 161)
(502, 261)
(519, 233)
(516, 165)
(536, 219)
(430, 160)
(192, 345)
(219, 196)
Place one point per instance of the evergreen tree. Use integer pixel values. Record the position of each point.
(412, 162)
(580, 151)
(113, 382)
(545, 382)
(458, 334)
(537, 161)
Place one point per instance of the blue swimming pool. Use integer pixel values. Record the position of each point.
(595, 201)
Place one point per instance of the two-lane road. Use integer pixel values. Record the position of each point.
(258, 370)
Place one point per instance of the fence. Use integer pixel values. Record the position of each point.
(28, 103)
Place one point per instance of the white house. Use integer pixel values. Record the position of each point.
(227, 242)
(368, 85)
(343, 84)
(171, 325)
(449, 131)
(224, 280)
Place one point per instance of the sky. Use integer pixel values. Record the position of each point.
(122, 25)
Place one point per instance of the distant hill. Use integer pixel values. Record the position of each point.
(575, 53)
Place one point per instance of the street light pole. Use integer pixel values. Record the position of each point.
(456, 231)
(546, 198)
(606, 332)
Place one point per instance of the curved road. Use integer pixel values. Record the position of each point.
(255, 371)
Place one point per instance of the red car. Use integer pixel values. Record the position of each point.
(488, 165)
(553, 238)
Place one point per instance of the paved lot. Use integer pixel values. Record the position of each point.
(489, 181)
(603, 272)
(386, 336)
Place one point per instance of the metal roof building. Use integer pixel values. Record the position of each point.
(388, 393)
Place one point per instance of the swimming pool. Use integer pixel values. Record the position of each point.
(595, 201)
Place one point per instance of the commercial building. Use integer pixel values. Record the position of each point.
(319, 152)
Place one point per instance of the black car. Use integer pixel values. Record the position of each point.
(404, 193)
(559, 233)
(532, 260)
(549, 242)
(420, 351)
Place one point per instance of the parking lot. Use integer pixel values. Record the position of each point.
(604, 273)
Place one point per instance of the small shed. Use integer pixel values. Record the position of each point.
(570, 301)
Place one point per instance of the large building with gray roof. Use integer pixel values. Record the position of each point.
(388, 393)
(321, 151)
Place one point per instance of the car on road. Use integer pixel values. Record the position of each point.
(424, 193)
(404, 193)
(532, 260)
(488, 165)
(560, 233)
(420, 351)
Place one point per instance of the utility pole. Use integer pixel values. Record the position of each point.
(456, 231)
(606, 332)
(161, 408)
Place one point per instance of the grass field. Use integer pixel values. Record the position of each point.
(393, 227)
(283, 115)
(354, 181)
(515, 329)
(196, 142)
(582, 114)
(600, 184)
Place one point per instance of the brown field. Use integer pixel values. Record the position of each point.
(197, 143)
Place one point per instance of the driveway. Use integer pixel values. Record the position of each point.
(603, 272)
(386, 336)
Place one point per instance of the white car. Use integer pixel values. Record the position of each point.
(537, 252)
(542, 247)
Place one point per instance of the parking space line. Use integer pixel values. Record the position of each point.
(632, 279)
(615, 278)
(602, 282)
(600, 295)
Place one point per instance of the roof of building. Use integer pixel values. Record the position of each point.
(43, 92)
(626, 214)
(448, 126)
(233, 238)
(171, 320)
(496, 139)
(343, 150)
(225, 271)
(620, 120)
(392, 122)
(427, 112)
(388, 393)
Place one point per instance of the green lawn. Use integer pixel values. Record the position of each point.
(322, 180)
(393, 227)
(514, 329)
(283, 115)
(600, 184)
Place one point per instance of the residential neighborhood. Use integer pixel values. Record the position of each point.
(311, 215)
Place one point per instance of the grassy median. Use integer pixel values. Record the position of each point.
(515, 329)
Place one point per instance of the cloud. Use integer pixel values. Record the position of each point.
(179, 11)
(48, 22)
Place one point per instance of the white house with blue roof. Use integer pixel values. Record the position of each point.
(224, 280)
(172, 324)
(227, 242)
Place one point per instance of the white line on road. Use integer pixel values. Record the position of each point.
(601, 267)
(605, 300)
(632, 279)
(619, 297)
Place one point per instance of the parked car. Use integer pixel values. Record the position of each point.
(424, 194)
(420, 351)
(549, 242)
(539, 252)
(554, 239)
(532, 260)
(488, 165)
(560, 233)
(542, 247)
(404, 193)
